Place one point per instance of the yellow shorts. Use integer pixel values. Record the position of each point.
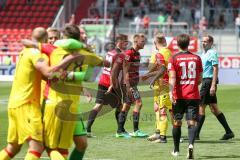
(58, 133)
(25, 122)
(164, 101)
(156, 95)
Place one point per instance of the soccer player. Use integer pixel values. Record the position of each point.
(113, 99)
(57, 132)
(131, 94)
(24, 111)
(209, 87)
(185, 74)
(53, 35)
(162, 104)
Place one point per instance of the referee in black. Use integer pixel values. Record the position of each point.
(209, 88)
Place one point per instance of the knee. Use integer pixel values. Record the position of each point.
(138, 106)
(13, 149)
(201, 110)
(80, 143)
(163, 113)
(177, 123)
(36, 146)
(97, 107)
(214, 109)
(191, 123)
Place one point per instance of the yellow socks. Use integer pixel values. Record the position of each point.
(4, 155)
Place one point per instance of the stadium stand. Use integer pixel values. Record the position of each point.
(18, 17)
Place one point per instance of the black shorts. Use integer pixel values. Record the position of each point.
(188, 106)
(113, 99)
(206, 98)
(134, 97)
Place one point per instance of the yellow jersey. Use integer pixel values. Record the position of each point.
(162, 56)
(26, 86)
(69, 90)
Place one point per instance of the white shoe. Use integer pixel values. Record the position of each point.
(190, 152)
(175, 154)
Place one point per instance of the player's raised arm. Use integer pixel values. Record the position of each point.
(42, 64)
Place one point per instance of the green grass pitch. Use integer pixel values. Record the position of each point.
(107, 147)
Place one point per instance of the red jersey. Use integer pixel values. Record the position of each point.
(133, 57)
(160, 60)
(188, 68)
(105, 76)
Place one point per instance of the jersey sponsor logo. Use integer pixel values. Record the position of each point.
(187, 82)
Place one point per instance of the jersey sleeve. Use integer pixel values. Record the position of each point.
(214, 58)
(36, 56)
(171, 65)
(160, 59)
(118, 58)
(167, 54)
(153, 58)
(70, 44)
(91, 58)
(128, 55)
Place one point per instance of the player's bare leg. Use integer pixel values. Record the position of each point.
(80, 147)
(156, 135)
(10, 151)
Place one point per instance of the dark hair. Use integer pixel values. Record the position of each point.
(210, 39)
(71, 31)
(183, 41)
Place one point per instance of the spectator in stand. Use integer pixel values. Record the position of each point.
(168, 7)
(221, 21)
(137, 21)
(237, 23)
(129, 14)
(197, 15)
(142, 8)
(212, 5)
(161, 18)
(235, 6)
(176, 13)
(170, 21)
(2, 4)
(146, 21)
(202, 25)
(121, 3)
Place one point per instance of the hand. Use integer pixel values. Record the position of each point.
(155, 107)
(152, 84)
(88, 95)
(110, 88)
(212, 90)
(172, 99)
(78, 58)
(145, 77)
